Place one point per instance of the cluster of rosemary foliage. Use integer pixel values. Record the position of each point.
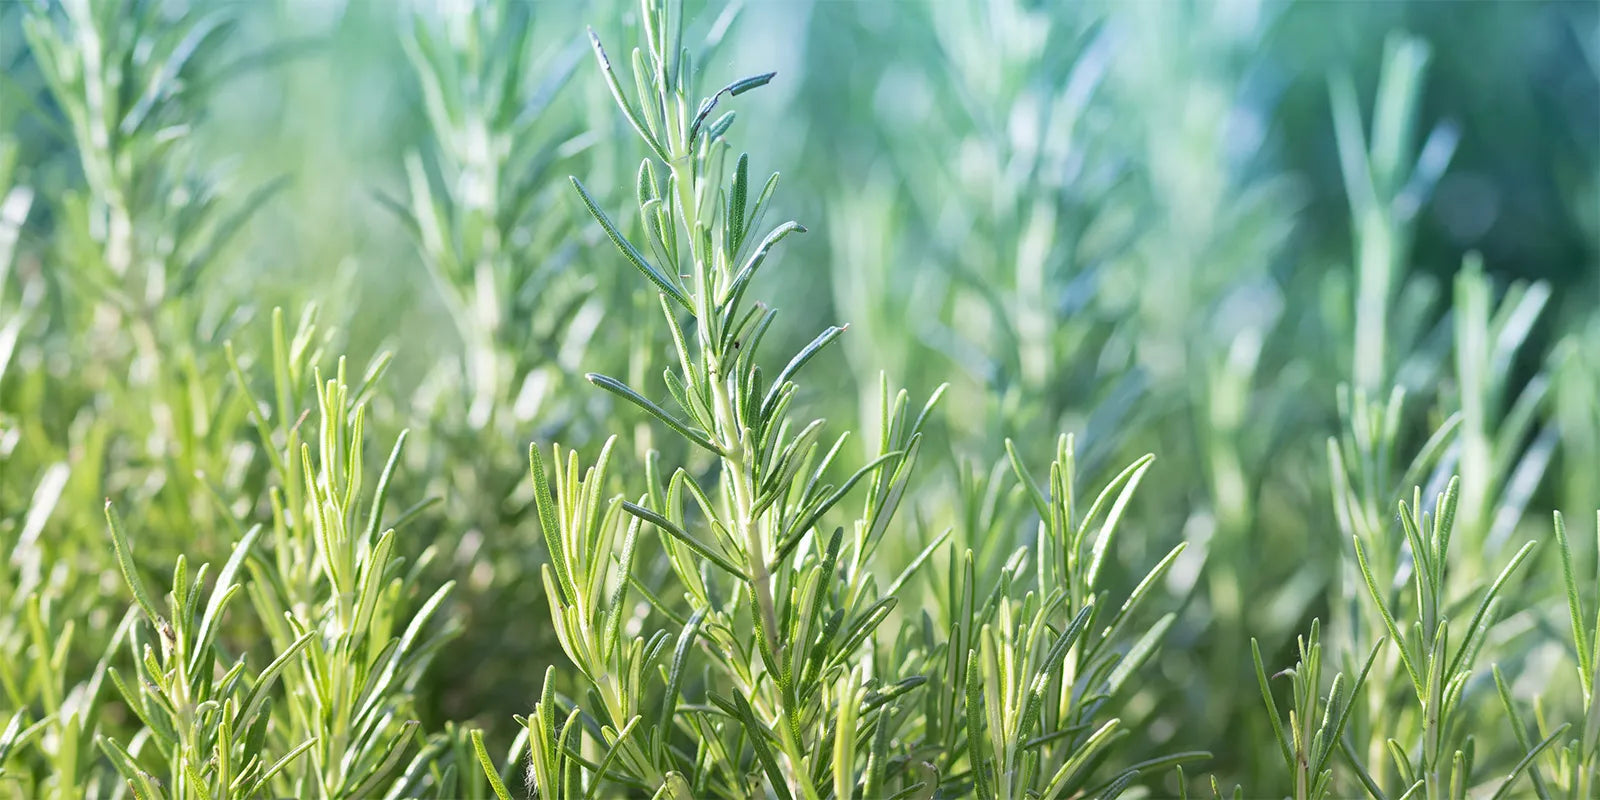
(763, 662)
(247, 553)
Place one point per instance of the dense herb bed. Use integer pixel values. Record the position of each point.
(1087, 551)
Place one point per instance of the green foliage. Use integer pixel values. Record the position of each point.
(1313, 738)
(209, 734)
(479, 210)
(1296, 255)
(1436, 755)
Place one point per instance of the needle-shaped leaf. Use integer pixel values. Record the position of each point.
(806, 354)
(1388, 619)
(680, 656)
(1139, 653)
(1337, 733)
(1458, 662)
(1272, 705)
(734, 89)
(1127, 483)
(612, 751)
(130, 570)
(221, 591)
(613, 625)
(736, 288)
(626, 392)
(393, 752)
(277, 766)
(1025, 478)
(545, 505)
(916, 563)
(263, 683)
(1527, 760)
(381, 495)
(615, 84)
(1518, 732)
(666, 283)
(489, 770)
(977, 753)
(371, 583)
(759, 741)
(669, 527)
(1581, 635)
(142, 783)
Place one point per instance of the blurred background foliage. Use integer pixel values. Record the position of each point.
(1152, 224)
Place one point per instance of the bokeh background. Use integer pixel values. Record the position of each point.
(1159, 225)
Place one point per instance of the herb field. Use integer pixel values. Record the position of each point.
(1146, 399)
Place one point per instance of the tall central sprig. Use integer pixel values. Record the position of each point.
(806, 596)
(776, 663)
(719, 390)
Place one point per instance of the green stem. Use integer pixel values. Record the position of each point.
(1375, 245)
(1433, 784)
(737, 458)
(737, 462)
(799, 778)
(735, 449)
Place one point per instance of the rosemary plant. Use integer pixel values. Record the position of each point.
(479, 210)
(1503, 445)
(1387, 178)
(47, 745)
(780, 612)
(1429, 750)
(1408, 751)
(488, 220)
(1102, 218)
(1313, 738)
(1573, 766)
(776, 675)
(208, 732)
(1036, 708)
(336, 586)
(1565, 763)
(144, 237)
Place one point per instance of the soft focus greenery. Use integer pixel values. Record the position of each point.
(1210, 394)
